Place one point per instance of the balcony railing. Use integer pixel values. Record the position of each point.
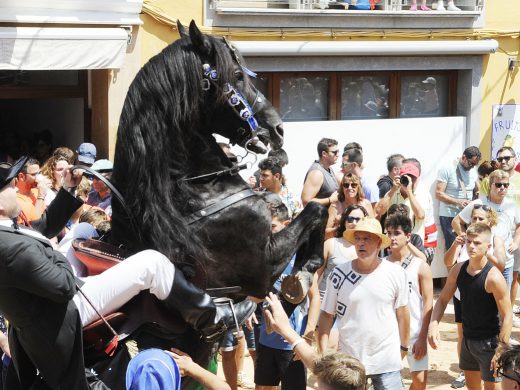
(354, 6)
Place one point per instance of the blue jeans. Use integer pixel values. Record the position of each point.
(508, 276)
(387, 381)
(447, 231)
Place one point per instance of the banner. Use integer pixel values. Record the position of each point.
(505, 130)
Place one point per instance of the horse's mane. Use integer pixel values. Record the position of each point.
(165, 114)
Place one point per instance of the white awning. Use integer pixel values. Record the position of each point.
(48, 48)
(99, 12)
(364, 48)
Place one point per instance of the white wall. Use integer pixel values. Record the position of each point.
(433, 141)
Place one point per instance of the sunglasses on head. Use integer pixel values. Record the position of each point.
(350, 185)
(505, 158)
(500, 185)
(482, 206)
(350, 219)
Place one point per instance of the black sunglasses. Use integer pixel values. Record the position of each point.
(482, 206)
(352, 185)
(350, 219)
(500, 185)
(505, 158)
(500, 372)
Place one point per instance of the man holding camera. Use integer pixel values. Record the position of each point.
(406, 190)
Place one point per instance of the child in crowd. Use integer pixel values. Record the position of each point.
(275, 358)
(420, 302)
(336, 371)
(155, 369)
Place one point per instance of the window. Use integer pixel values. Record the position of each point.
(304, 98)
(318, 96)
(424, 96)
(364, 97)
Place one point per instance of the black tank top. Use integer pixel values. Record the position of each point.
(480, 318)
(330, 184)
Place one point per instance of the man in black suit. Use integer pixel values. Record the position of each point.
(39, 294)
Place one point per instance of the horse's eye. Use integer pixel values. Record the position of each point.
(239, 75)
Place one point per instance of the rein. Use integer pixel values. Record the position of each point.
(229, 171)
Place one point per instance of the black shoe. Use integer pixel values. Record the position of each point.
(229, 316)
(198, 309)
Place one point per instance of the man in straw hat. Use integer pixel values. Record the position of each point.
(369, 298)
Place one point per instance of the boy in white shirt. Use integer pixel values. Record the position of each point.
(420, 300)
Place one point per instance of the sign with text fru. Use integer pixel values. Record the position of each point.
(505, 129)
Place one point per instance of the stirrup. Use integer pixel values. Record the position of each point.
(223, 301)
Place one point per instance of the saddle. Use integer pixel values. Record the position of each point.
(98, 256)
(144, 310)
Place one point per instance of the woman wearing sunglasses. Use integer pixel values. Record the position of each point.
(338, 250)
(350, 194)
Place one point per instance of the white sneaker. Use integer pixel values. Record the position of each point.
(452, 7)
(516, 322)
(244, 382)
(459, 382)
(440, 6)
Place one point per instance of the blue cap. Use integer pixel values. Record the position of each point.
(87, 153)
(103, 166)
(153, 369)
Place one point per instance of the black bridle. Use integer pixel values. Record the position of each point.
(234, 98)
(240, 107)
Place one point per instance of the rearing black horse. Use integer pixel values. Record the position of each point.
(182, 196)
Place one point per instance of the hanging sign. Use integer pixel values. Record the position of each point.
(505, 129)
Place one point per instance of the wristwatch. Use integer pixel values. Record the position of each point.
(404, 349)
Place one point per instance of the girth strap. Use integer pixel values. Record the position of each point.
(220, 205)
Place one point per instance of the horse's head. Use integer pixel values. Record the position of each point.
(242, 112)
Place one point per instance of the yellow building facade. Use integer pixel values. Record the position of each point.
(498, 21)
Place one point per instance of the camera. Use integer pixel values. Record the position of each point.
(405, 181)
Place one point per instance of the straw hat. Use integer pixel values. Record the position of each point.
(368, 225)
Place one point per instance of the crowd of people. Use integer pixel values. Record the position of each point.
(370, 304)
(379, 313)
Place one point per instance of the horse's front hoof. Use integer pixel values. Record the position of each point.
(295, 287)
